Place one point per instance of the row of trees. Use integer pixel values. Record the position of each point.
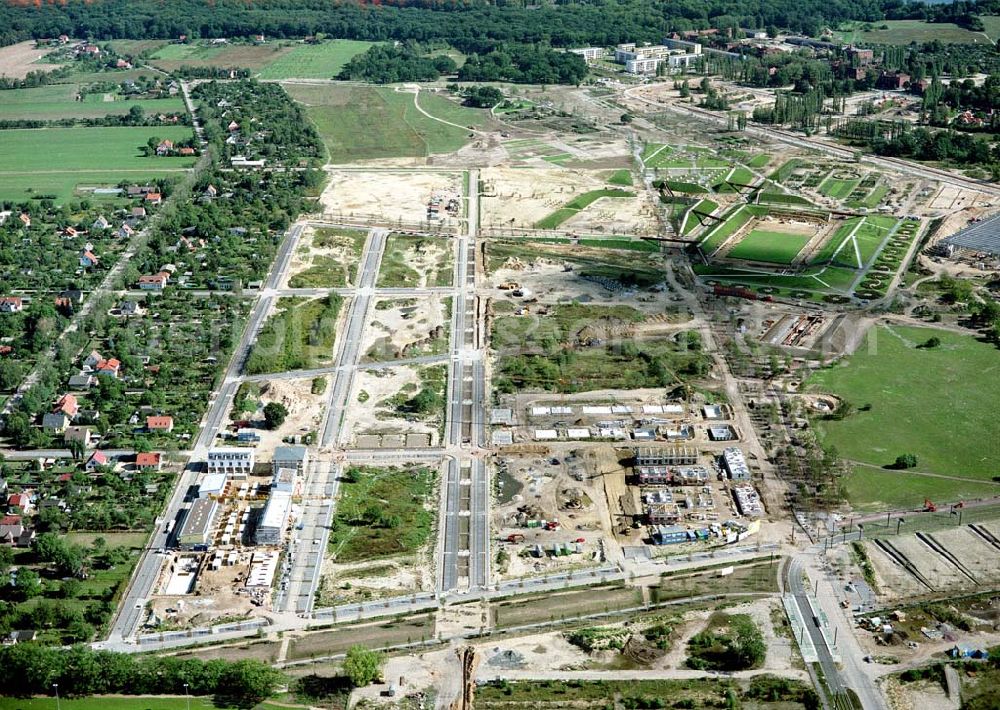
(900, 139)
(603, 22)
(31, 669)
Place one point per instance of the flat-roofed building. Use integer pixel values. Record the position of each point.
(235, 462)
(284, 480)
(665, 456)
(293, 457)
(735, 464)
(590, 54)
(196, 531)
(274, 519)
(214, 484)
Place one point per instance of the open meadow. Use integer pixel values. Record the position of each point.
(59, 101)
(54, 161)
(938, 403)
(368, 123)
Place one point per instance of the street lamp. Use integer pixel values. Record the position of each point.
(187, 698)
(58, 704)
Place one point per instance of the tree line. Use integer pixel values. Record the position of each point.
(31, 669)
(568, 23)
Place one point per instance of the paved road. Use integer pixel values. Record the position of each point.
(300, 579)
(349, 342)
(464, 548)
(841, 670)
(147, 571)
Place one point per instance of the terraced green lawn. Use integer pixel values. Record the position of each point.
(838, 189)
(937, 403)
(578, 203)
(772, 247)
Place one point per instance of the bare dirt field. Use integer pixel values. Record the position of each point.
(404, 328)
(417, 262)
(17, 60)
(214, 599)
(401, 197)
(325, 258)
(529, 195)
(348, 583)
(370, 412)
(305, 411)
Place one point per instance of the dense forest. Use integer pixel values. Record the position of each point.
(465, 24)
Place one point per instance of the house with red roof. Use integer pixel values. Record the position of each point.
(88, 259)
(160, 423)
(68, 405)
(154, 282)
(165, 147)
(20, 502)
(154, 198)
(149, 460)
(98, 458)
(110, 367)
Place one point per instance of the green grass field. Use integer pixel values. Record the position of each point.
(906, 31)
(846, 254)
(870, 488)
(56, 160)
(721, 231)
(57, 101)
(314, 61)
(366, 122)
(937, 403)
(837, 189)
(772, 247)
(620, 177)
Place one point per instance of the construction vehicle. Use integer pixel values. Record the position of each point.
(552, 525)
(515, 537)
(959, 505)
(929, 506)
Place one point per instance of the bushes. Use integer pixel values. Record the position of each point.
(739, 647)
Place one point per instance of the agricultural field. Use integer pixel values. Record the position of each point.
(369, 123)
(238, 56)
(934, 402)
(58, 101)
(18, 60)
(314, 61)
(55, 161)
(770, 246)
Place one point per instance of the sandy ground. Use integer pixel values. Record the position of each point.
(429, 257)
(527, 196)
(391, 196)
(408, 328)
(214, 597)
(371, 416)
(305, 411)
(917, 696)
(344, 253)
(347, 583)
(17, 60)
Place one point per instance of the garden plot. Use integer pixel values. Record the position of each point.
(326, 258)
(520, 198)
(401, 197)
(374, 410)
(409, 327)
